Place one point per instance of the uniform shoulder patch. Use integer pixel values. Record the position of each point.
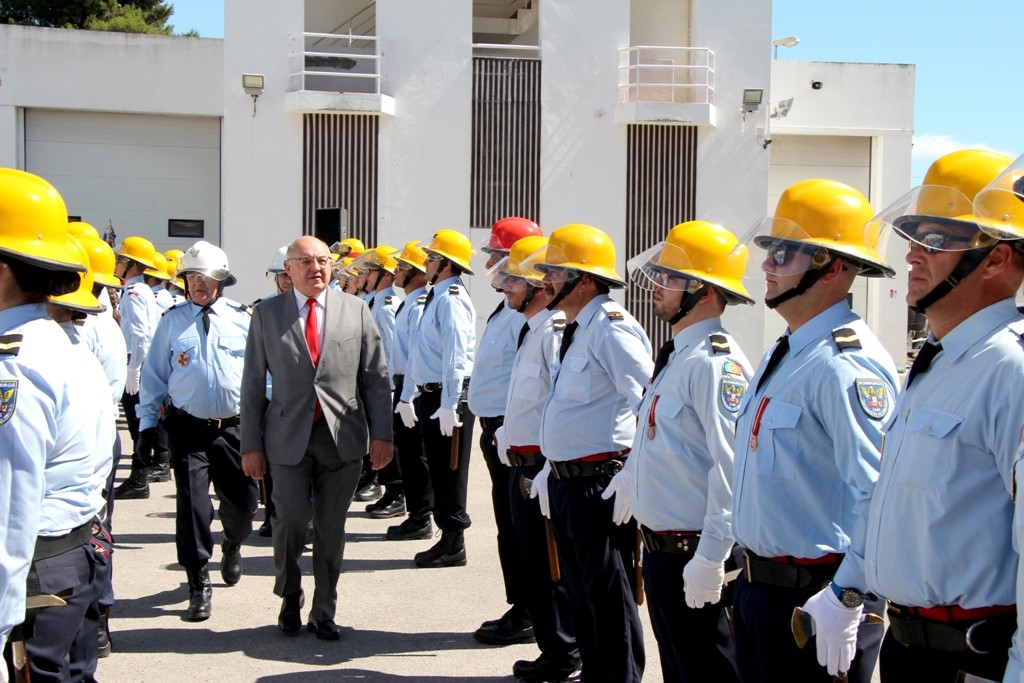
(454, 289)
(559, 324)
(719, 343)
(178, 305)
(615, 315)
(8, 398)
(846, 338)
(244, 308)
(731, 367)
(872, 396)
(253, 304)
(388, 300)
(731, 392)
(10, 344)
(421, 299)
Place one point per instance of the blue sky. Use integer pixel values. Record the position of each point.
(967, 92)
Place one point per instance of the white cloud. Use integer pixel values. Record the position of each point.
(929, 146)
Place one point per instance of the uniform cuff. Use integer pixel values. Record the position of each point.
(714, 549)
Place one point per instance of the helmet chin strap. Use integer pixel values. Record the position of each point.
(531, 292)
(566, 290)
(686, 304)
(440, 266)
(968, 262)
(806, 282)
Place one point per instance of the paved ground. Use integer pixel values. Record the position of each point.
(399, 623)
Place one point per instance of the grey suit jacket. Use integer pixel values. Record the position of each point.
(351, 380)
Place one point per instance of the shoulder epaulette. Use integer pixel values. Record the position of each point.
(454, 289)
(615, 315)
(388, 300)
(173, 307)
(253, 304)
(846, 338)
(421, 299)
(559, 324)
(719, 343)
(10, 344)
(244, 308)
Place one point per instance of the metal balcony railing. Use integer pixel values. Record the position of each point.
(672, 75)
(332, 62)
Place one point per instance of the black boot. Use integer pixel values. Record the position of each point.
(450, 551)
(200, 594)
(230, 562)
(136, 486)
(103, 635)
(160, 469)
(391, 504)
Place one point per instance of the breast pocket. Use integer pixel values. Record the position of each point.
(232, 346)
(528, 384)
(930, 464)
(776, 452)
(574, 380)
(184, 352)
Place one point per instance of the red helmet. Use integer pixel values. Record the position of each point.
(507, 231)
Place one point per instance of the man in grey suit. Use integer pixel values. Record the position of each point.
(331, 393)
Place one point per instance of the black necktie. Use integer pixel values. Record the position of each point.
(522, 335)
(567, 334)
(206, 319)
(781, 349)
(662, 360)
(430, 297)
(497, 310)
(399, 309)
(923, 360)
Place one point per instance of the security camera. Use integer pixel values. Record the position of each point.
(816, 85)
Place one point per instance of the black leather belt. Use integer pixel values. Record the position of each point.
(991, 634)
(577, 468)
(673, 542)
(399, 379)
(431, 387)
(492, 422)
(785, 575)
(51, 546)
(213, 423)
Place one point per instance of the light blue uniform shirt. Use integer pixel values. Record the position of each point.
(1015, 667)
(406, 322)
(530, 384)
(941, 513)
(442, 349)
(202, 374)
(805, 490)
(488, 390)
(598, 386)
(164, 299)
(383, 309)
(139, 316)
(682, 478)
(102, 336)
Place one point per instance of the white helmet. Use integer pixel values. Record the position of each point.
(277, 263)
(206, 259)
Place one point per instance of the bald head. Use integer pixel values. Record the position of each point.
(309, 265)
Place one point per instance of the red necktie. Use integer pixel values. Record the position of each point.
(313, 342)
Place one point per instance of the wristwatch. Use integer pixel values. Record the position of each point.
(849, 597)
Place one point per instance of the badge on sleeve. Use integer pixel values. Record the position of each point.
(732, 393)
(8, 398)
(873, 397)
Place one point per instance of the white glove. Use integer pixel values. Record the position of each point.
(621, 486)
(405, 410)
(131, 387)
(702, 581)
(835, 629)
(501, 443)
(448, 420)
(540, 489)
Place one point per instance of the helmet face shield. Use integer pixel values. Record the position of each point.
(664, 266)
(935, 217)
(788, 249)
(999, 206)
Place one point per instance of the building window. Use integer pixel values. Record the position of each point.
(180, 227)
(506, 140)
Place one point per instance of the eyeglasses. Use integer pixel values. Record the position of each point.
(783, 252)
(687, 285)
(434, 256)
(932, 240)
(307, 261)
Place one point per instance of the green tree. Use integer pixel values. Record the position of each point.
(127, 16)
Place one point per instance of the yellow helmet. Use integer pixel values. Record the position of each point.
(574, 249)
(513, 265)
(414, 255)
(81, 299)
(101, 261)
(820, 218)
(378, 257)
(138, 249)
(80, 229)
(159, 271)
(946, 198)
(33, 222)
(453, 246)
(695, 251)
(999, 206)
(349, 246)
(174, 262)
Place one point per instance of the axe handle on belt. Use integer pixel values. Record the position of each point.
(638, 570)
(553, 566)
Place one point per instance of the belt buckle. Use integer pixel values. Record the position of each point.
(970, 633)
(746, 565)
(214, 422)
(615, 466)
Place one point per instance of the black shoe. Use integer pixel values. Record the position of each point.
(200, 594)
(387, 499)
(545, 668)
(394, 507)
(412, 529)
(103, 644)
(230, 562)
(290, 618)
(265, 530)
(324, 630)
(507, 631)
(135, 487)
(450, 551)
(371, 491)
(159, 474)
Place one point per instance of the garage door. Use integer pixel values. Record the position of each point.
(141, 174)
